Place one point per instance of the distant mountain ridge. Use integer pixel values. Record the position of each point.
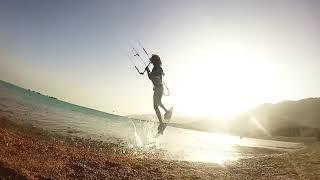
(289, 115)
(286, 118)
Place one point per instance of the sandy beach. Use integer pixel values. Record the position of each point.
(32, 153)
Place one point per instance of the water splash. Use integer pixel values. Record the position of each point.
(149, 129)
(136, 136)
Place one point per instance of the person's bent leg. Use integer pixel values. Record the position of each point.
(156, 101)
(159, 98)
(158, 113)
(162, 106)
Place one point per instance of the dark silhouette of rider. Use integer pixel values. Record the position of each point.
(156, 77)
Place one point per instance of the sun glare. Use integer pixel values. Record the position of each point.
(217, 148)
(225, 81)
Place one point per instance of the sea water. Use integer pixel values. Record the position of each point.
(179, 144)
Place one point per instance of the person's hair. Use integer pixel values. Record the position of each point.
(155, 60)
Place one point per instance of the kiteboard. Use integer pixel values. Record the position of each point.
(167, 117)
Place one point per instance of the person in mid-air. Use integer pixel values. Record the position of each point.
(156, 77)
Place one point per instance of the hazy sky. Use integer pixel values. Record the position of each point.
(220, 57)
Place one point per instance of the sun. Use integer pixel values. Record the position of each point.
(222, 83)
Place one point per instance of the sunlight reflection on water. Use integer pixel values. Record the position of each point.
(196, 146)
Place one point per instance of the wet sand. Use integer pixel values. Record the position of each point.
(31, 153)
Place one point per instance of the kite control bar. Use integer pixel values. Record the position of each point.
(136, 53)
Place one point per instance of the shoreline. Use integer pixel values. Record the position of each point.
(30, 152)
